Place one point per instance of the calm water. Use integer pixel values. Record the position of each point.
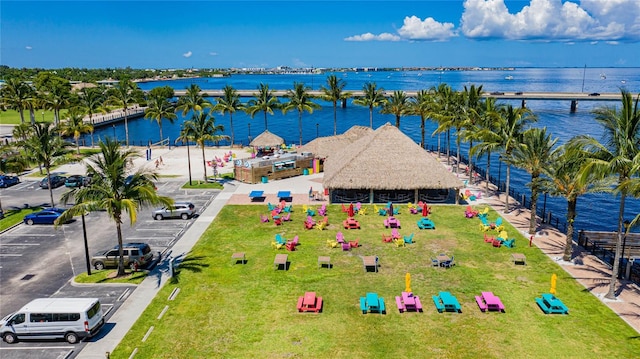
(595, 212)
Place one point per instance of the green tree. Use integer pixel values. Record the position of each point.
(373, 98)
(159, 108)
(112, 192)
(92, 102)
(421, 105)
(46, 146)
(202, 128)
(15, 95)
(563, 179)
(55, 93)
(185, 138)
(398, 105)
(264, 101)
(74, 126)
(444, 112)
(472, 106)
(617, 155)
(229, 103)
(334, 92)
(124, 94)
(300, 100)
(535, 155)
(193, 100)
(486, 133)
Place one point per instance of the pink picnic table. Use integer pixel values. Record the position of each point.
(487, 301)
(392, 222)
(408, 302)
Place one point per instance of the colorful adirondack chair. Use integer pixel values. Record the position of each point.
(399, 242)
(354, 244)
(287, 217)
(340, 237)
(264, 218)
(408, 239)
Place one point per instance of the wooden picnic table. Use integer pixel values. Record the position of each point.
(322, 260)
(442, 258)
(281, 259)
(519, 258)
(238, 257)
(370, 261)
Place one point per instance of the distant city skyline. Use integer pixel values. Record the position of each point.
(321, 34)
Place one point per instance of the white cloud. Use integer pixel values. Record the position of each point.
(385, 36)
(429, 29)
(553, 20)
(28, 47)
(187, 54)
(212, 53)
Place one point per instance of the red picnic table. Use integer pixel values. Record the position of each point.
(309, 303)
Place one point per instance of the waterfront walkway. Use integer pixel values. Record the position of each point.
(588, 270)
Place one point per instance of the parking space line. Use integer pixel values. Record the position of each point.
(157, 229)
(33, 348)
(10, 255)
(147, 238)
(27, 234)
(21, 244)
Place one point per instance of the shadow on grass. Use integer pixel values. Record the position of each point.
(191, 264)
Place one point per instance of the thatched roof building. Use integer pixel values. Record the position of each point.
(267, 139)
(323, 147)
(386, 165)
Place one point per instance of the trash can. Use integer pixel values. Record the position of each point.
(305, 171)
(265, 179)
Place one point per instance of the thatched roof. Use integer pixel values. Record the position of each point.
(323, 147)
(386, 159)
(266, 139)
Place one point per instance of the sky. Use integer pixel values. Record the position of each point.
(320, 34)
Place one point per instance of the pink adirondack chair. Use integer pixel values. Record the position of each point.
(340, 237)
(264, 218)
(287, 217)
(395, 234)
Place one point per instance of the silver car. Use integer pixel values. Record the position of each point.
(184, 210)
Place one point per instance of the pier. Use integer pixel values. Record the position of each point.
(116, 116)
(573, 97)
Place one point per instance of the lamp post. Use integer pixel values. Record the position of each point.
(317, 130)
(86, 246)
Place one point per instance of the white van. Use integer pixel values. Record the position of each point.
(51, 318)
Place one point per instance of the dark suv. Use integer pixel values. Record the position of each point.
(136, 255)
(56, 181)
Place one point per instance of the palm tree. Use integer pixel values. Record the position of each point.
(123, 94)
(264, 101)
(564, 179)
(159, 108)
(112, 192)
(618, 154)
(201, 128)
(299, 99)
(15, 94)
(534, 155)
(229, 103)
(398, 105)
(92, 102)
(74, 126)
(486, 132)
(193, 100)
(373, 97)
(45, 146)
(473, 106)
(444, 113)
(421, 105)
(56, 96)
(185, 138)
(334, 92)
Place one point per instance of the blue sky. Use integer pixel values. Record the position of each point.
(246, 34)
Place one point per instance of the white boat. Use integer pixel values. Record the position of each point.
(603, 77)
(509, 77)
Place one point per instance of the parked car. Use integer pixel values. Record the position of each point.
(76, 181)
(184, 210)
(135, 255)
(594, 94)
(6, 181)
(497, 93)
(45, 216)
(56, 181)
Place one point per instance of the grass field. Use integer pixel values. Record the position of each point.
(227, 310)
(14, 216)
(12, 117)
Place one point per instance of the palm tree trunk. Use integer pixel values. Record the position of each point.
(534, 205)
(457, 154)
(231, 128)
(120, 247)
(371, 117)
(300, 125)
(448, 147)
(78, 145)
(21, 111)
(422, 144)
(91, 122)
(571, 216)
(265, 121)
(611, 294)
(487, 175)
(204, 163)
(49, 184)
(335, 118)
(470, 163)
(506, 199)
(397, 121)
(160, 125)
(126, 127)
(189, 163)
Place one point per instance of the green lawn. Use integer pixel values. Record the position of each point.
(15, 216)
(227, 310)
(12, 117)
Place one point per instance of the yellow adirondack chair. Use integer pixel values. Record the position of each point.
(277, 245)
(399, 242)
(362, 211)
(332, 244)
(321, 225)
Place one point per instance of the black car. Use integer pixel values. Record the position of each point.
(594, 94)
(6, 181)
(76, 181)
(56, 181)
(497, 93)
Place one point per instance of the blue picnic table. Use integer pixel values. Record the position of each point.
(371, 303)
(255, 195)
(550, 304)
(284, 195)
(445, 302)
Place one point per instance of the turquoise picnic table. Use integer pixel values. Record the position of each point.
(256, 195)
(371, 303)
(550, 304)
(284, 196)
(445, 302)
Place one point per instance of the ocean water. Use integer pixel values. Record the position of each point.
(595, 211)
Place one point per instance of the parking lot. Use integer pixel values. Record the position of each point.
(40, 261)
